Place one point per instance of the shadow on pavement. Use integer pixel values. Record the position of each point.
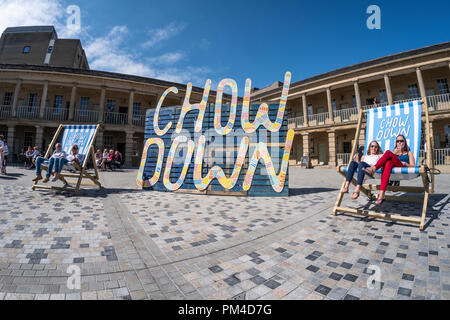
(303, 191)
(11, 176)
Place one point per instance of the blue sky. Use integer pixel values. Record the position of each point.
(196, 40)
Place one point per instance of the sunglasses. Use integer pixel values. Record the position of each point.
(400, 141)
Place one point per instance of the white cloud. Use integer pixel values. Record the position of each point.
(109, 52)
(16, 13)
(167, 58)
(161, 34)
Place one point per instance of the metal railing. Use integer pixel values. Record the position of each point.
(55, 114)
(439, 102)
(441, 157)
(116, 118)
(297, 122)
(5, 111)
(139, 120)
(319, 118)
(345, 114)
(373, 106)
(343, 158)
(86, 116)
(28, 112)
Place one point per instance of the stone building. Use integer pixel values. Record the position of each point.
(38, 92)
(324, 108)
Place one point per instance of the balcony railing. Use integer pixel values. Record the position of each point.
(56, 114)
(344, 115)
(441, 157)
(343, 158)
(317, 119)
(297, 122)
(139, 120)
(28, 112)
(5, 111)
(86, 116)
(116, 118)
(439, 102)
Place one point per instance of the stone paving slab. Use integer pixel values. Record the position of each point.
(132, 244)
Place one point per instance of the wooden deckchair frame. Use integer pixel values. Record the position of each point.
(427, 189)
(95, 180)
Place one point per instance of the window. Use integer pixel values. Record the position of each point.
(7, 100)
(27, 49)
(108, 141)
(354, 101)
(32, 102)
(333, 105)
(28, 140)
(57, 107)
(136, 110)
(443, 86)
(383, 96)
(84, 106)
(110, 105)
(413, 91)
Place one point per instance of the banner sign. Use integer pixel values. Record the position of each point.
(236, 148)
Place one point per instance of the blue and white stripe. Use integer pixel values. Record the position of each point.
(409, 114)
(82, 135)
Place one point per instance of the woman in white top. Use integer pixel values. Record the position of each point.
(374, 153)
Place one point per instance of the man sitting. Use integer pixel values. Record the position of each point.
(36, 153)
(57, 154)
(117, 160)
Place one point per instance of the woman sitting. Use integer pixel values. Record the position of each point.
(401, 157)
(74, 157)
(374, 153)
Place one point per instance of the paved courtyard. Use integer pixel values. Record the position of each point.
(132, 244)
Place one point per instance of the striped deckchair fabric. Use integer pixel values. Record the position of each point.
(384, 125)
(83, 136)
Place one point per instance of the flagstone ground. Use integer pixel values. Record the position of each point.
(133, 244)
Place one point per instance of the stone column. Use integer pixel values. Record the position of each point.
(362, 139)
(330, 106)
(130, 108)
(332, 149)
(10, 141)
(72, 102)
(306, 149)
(16, 97)
(129, 149)
(101, 111)
(423, 93)
(357, 95)
(388, 89)
(305, 109)
(43, 100)
(39, 137)
(99, 140)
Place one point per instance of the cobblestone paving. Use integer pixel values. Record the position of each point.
(132, 244)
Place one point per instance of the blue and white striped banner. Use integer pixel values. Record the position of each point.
(386, 123)
(81, 135)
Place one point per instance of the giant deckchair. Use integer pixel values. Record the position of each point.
(83, 136)
(383, 126)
